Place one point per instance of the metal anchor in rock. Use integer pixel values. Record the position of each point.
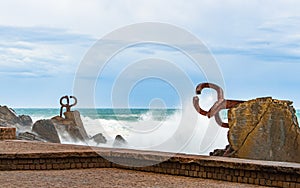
(67, 105)
(220, 104)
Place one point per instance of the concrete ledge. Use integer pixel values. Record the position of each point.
(268, 173)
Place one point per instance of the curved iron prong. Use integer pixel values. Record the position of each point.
(218, 89)
(232, 103)
(60, 112)
(61, 101)
(226, 104)
(220, 104)
(219, 121)
(197, 106)
(199, 89)
(67, 105)
(62, 104)
(75, 101)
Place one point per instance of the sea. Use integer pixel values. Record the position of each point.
(169, 130)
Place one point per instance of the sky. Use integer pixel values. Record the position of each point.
(255, 44)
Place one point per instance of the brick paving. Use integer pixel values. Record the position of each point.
(104, 177)
(93, 177)
(34, 147)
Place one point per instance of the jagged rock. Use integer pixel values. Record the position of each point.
(45, 128)
(8, 118)
(69, 128)
(264, 129)
(30, 136)
(222, 152)
(25, 120)
(99, 138)
(217, 152)
(72, 125)
(119, 141)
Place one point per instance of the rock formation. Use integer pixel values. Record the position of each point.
(119, 141)
(264, 129)
(53, 130)
(222, 152)
(46, 130)
(8, 118)
(69, 128)
(30, 136)
(25, 120)
(99, 138)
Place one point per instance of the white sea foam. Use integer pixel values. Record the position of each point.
(183, 131)
(39, 117)
(180, 132)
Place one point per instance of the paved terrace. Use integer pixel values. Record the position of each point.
(35, 164)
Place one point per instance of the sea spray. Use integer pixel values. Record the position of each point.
(206, 135)
(164, 132)
(171, 130)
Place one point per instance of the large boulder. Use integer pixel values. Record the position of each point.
(8, 118)
(25, 120)
(46, 130)
(264, 129)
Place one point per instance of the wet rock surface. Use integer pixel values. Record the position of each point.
(46, 130)
(58, 128)
(264, 129)
(53, 130)
(25, 120)
(119, 141)
(99, 138)
(30, 136)
(8, 118)
(70, 127)
(222, 152)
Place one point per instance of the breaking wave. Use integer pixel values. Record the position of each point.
(170, 130)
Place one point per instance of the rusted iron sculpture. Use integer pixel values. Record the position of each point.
(67, 105)
(217, 106)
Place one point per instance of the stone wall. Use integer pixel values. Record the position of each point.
(281, 174)
(7, 133)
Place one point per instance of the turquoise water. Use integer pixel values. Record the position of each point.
(106, 114)
(110, 114)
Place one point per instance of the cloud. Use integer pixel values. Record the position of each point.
(275, 41)
(251, 40)
(35, 51)
(39, 34)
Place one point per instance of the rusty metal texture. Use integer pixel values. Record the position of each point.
(66, 105)
(220, 104)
